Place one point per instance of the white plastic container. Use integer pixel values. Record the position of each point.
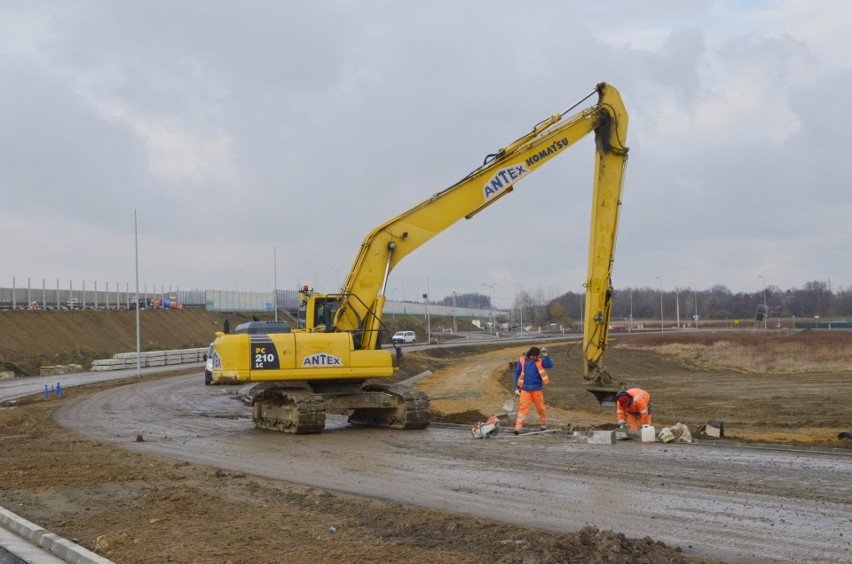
(649, 434)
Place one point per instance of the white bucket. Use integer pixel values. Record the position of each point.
(649, 434)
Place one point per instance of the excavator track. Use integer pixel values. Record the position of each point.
(289, 411)
(410, 412)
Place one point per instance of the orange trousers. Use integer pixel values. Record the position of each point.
(634, 421)
(527, 398)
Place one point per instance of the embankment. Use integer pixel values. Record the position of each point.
(29, 339)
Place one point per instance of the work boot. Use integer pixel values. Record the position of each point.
(516, 431)
(543, 428)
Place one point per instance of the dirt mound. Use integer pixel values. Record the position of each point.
(468, 417)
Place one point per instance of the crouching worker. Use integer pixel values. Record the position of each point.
(530, 379)
(634, 405)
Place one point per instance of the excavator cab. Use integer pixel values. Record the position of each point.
(317, 311)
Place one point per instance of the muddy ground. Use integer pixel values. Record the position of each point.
(132, 507)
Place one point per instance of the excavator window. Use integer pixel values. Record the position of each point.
(301, 316)
(324, 311)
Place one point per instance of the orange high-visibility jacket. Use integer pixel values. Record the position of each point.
(640, 406)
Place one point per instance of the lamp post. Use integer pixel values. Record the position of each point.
(765, 309)
(491, 303)
(455, 329)
(677, 306)
(695, 299)
(662, 327)
(428, 320)
(237, 279)
(275, 281)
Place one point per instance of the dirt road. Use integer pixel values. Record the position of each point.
(732, 504)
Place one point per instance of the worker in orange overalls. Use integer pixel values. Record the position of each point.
(635, 406)
(530, 379)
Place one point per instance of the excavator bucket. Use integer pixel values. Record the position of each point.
(604, 394)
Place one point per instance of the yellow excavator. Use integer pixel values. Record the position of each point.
(331, 361)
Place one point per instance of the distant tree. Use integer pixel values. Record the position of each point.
(559, 314)
(814, 299)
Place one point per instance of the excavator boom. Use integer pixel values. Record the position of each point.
(386, 245)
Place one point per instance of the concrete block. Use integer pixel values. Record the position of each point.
(602, 438)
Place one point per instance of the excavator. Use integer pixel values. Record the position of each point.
(333, 361)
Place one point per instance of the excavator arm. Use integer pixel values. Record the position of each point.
(363, 292)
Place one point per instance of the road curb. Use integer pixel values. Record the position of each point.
(54, 544)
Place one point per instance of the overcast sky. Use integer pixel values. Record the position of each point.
(236, 128)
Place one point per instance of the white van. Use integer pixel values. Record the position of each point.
(403, 337)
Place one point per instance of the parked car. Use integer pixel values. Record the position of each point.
(208, 367)
(403, 337)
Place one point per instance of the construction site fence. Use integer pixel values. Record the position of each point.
(111, 296)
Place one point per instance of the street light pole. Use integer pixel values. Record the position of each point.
(662, 326)
(237, 279)
(491, 304)
(275, 281)
(428, 321)
(677, 306)
(765, 309)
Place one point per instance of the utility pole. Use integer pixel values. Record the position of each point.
(428, 321)
(491, 304)
(275, 281)
(677, 306)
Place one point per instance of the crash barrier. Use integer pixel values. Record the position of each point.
(148, 359)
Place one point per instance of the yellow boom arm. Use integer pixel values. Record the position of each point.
(363, 291)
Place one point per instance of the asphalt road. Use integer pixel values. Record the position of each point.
(724, 503)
